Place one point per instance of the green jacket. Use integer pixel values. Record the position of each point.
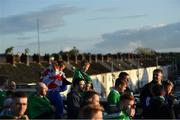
(124, 116)
(80, 74)
(39, 107)
(113, 100)
(118, 116)
(2, 97)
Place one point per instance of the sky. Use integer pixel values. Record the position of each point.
(95, 26)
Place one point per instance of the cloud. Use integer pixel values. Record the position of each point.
(122, 17)
(107, 9)
(159, 37)
(49, 18)
(57, 44)
(24, 38)
(133, 45)
(67, 49)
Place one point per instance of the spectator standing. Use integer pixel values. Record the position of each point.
(124, 76)
(18, 107)
(39, 105)
(3, 85)
(55, 79)
(11, 89)
(146, 92)
(169, 97)
(74, 98)
(157, 108)
(80, 73)
(115, 95)
(127, 108)
(90, 97)
(92, 111)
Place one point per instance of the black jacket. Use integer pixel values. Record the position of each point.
(73, 104)
(158, 110)
(146, 92)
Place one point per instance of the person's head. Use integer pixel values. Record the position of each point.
(124, 76)
(120, 85)
(91, 97)
(158, 90)
(79, 84)
(168, 86)
(84, 65)
(41, 89)
(91, 111)
(127, 103)
(54, 63)
(19, 104)
(88, 86)
(62, 65)
(11, 86)
(158, 75)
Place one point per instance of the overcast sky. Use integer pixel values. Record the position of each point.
(96, 26)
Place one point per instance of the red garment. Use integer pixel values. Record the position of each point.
(52, 77)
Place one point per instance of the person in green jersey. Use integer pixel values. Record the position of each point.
(39, 105)
(127, 108)
(80, 73)
(8, 94)
(115, 95)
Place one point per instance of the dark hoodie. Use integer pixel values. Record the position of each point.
(158, 109)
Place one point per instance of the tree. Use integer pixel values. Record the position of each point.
(145, 51)
(73, 51)
(9, 51)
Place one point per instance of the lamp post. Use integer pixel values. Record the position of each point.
(38, 36)
(112, 68)
(157, 62)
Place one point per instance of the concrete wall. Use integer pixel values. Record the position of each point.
(104, 82)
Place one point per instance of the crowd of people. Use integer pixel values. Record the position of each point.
(83, 101)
